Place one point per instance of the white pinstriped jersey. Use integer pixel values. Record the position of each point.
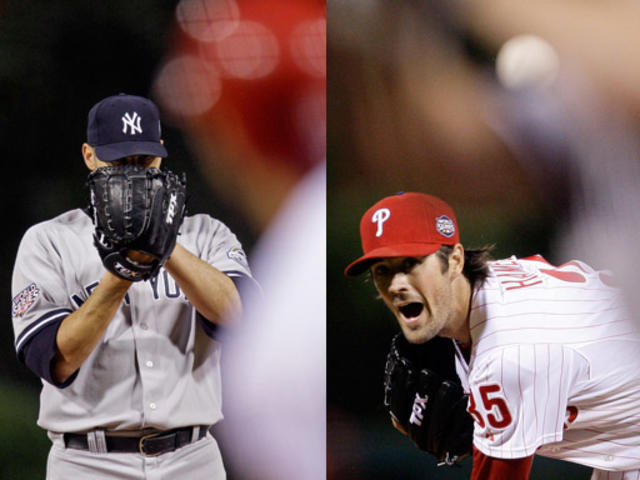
(555, 366)
(155, 365)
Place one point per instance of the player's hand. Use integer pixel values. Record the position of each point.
(139, 257)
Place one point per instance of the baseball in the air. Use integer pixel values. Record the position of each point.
(526, 61)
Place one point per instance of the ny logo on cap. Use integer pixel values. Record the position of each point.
(380, 216)
(131, 121)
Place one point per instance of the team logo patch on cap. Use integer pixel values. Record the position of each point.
(445, 226)
(23, 301)
(380, 216)
(239, 256)
(131, 123)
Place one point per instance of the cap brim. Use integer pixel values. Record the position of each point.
(114, 151)
(361, 264)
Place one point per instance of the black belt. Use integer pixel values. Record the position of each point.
(152, 444)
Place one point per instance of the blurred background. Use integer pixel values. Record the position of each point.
(523, 116)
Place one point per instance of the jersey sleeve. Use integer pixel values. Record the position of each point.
(490, 468)
(221, 248)
(39, 298)
(518, 397)
(609, 475)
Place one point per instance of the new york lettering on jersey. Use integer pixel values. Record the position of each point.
(161, 286)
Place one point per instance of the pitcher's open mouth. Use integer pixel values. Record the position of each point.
(411, 310)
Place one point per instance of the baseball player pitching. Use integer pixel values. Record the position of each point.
(544, 359)
(116, 307)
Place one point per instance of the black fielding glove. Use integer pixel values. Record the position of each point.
(136, 208)
(423, 394)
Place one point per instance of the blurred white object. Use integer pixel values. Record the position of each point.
(527, 61)
(275, 388)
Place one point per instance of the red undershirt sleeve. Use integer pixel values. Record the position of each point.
(490, 468)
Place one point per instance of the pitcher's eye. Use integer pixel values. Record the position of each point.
(409, 263)
(380, 271)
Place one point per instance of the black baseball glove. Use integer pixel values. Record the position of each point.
(425, 398)
(136, 208)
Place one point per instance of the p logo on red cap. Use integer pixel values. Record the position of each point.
(380, 216)
(404, 225)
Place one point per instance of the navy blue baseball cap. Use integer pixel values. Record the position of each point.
(124, 125)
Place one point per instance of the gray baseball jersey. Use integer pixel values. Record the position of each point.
(157, 364)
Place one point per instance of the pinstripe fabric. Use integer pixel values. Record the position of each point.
(554, 366)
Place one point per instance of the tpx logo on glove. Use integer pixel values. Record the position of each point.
(126, 272)
(171, 209)
(419, 406)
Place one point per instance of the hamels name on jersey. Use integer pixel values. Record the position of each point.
(515, 274)
(527, 301)
(160, 287)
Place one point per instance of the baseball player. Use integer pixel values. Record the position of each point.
(123, 337)
(547, 355)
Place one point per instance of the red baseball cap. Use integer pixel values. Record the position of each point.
(404, 225)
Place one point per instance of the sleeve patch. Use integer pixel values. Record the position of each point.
(24, 300)
(238, 255)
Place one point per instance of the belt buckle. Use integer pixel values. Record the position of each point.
(141, 444)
